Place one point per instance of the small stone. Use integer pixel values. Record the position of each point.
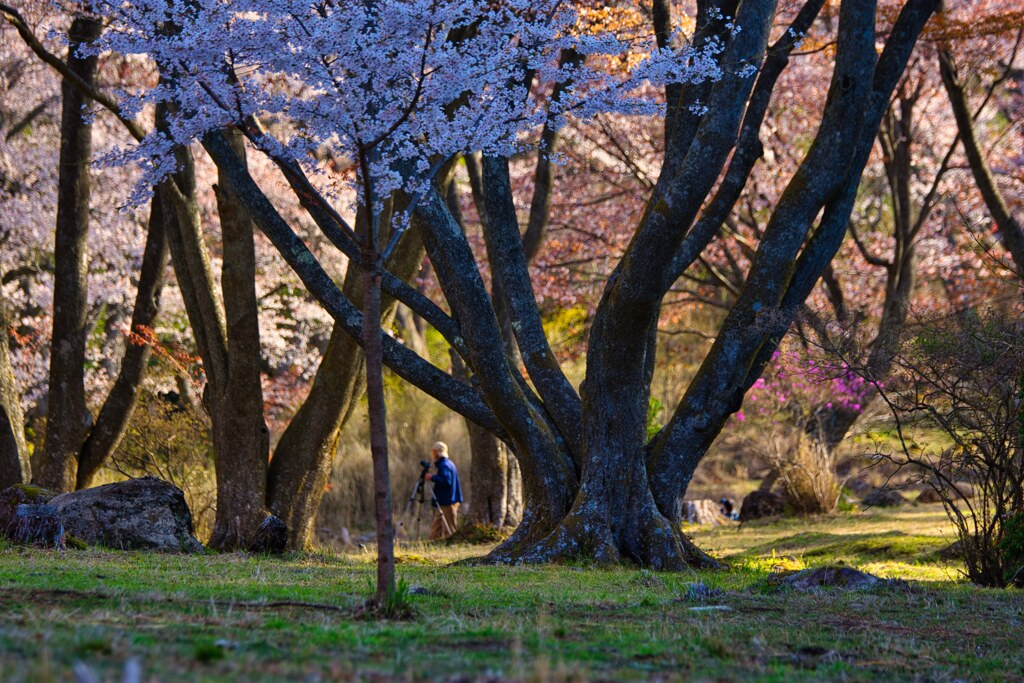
(271, 537)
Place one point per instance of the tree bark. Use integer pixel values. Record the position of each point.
(240, 435)
(493, 475)
(67, 414)
(117, 410)
(14, 462)
(896, 137)
(372, 267)
(495, 491)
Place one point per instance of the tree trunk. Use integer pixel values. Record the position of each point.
(67, 414)
(303, 457)
(489, 477)
(240, 435)
(412, 334)
(14, 463)
(495, 482)
(371, 266)
(1010, 228)
(496, 488)
(378, 432)
(514, 504)
(117, 410)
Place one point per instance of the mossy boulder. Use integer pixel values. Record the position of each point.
(138, 514)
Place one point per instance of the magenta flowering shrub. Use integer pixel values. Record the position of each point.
(798, 387)
(794, 399)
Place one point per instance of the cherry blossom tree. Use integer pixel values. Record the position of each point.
(419, 84)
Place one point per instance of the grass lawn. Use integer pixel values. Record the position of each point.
(234, 617)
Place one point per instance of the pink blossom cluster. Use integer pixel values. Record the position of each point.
(799, 386)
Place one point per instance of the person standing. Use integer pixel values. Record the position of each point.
(447, 493)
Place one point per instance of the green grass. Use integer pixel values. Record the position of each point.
(234, 617)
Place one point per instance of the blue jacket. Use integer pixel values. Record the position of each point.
(446, 482)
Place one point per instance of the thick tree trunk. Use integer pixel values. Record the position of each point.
(301, 466)
(67, 414)
(240, 435)
(231, 360)
(117, 410)
(614, 517)
(14, 462)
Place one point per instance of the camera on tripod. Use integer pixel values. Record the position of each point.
(418, 501)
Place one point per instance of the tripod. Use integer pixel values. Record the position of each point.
(418, 498)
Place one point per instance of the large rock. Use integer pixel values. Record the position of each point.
(845, 578)
(138, 514)
(884, 498)
(760, 504)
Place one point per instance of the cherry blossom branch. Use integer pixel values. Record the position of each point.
(14, 18)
